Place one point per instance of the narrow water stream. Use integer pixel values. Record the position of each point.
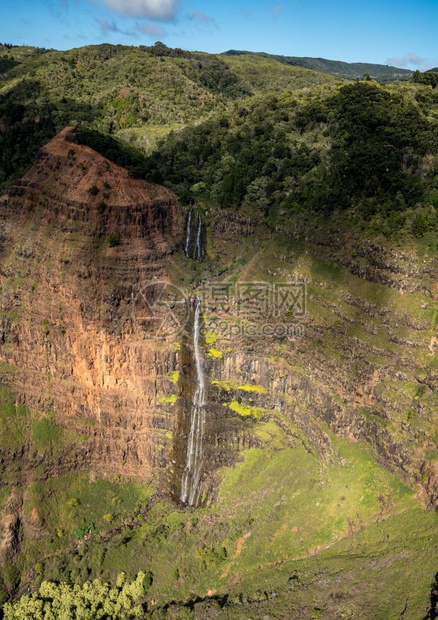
(195, 444)
(198, 245)
(188, 233)
(194, 240)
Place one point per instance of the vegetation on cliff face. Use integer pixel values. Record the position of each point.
(324, 444)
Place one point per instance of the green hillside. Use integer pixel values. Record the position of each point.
(264, 74)
(136, 94)
(337, 68)
(357, 148)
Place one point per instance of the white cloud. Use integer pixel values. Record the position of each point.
(411, 59)
(162, 10)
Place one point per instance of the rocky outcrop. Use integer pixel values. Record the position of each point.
(11, 534)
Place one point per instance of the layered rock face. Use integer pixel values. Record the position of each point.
(81, 242)
(363, 364)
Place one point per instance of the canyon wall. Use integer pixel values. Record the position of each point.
(82, 244)
(84, 250)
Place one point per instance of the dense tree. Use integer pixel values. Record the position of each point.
(429, 78)
(89, 601)
(362, 145)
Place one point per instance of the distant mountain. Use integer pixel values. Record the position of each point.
(337, 68)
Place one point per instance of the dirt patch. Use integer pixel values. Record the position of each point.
(239, 548)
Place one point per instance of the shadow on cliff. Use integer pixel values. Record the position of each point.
(28, 119)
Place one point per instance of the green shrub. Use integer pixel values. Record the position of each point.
(45, 327)
(114, 240)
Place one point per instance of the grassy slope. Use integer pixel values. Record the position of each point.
(266, 75)
(288, 536)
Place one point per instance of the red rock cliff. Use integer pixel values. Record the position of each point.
(73, 259)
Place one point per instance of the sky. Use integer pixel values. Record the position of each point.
(400, 33)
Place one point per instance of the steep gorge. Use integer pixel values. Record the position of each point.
(81, 245)
(85, 250)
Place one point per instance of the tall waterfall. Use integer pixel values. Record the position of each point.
(195, 445)
(194, 237)
(188, 233)
(198, 245)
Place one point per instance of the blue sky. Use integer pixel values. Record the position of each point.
(400, 32)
